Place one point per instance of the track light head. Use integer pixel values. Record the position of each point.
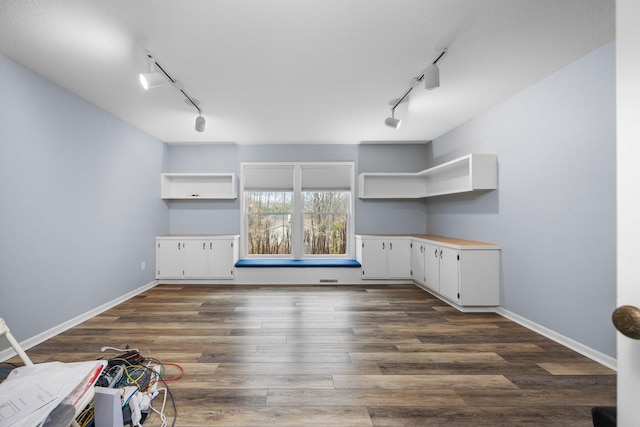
(200, 123)
(432, 77)
(151, 80)
(392, 122)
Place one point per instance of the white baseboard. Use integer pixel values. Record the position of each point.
(592, 354)
(42, 337)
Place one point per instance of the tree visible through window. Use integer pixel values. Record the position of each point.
(325, 222)
(269, 223)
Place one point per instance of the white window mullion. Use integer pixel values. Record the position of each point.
(297, 245)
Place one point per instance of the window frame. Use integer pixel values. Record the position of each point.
(297, 217)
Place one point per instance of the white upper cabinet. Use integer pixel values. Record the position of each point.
(468, 173)
(206, 186)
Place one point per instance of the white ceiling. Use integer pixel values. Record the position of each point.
(300, 71)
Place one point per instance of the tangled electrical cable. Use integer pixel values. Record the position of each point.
(5, 369)
(138, 378)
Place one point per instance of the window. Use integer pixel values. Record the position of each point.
(269, 222)
(297, 210)
(325, 225)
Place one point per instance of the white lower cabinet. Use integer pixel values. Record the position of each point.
(169, 259)
(222, 257)
(467, 275)
(196, 257)
(449, 270)
(384, 258)
(431, 267)
(441, 270)
(418, 257)
(462, 272)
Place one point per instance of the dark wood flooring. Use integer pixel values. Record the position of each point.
(342, 356)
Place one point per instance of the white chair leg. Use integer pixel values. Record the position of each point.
(4, 331)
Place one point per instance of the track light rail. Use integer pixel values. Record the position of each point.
(175, 83)
(416, 80)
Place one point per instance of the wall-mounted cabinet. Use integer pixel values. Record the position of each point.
(206, 186)
(468, 173)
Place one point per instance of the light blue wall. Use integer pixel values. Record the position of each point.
(80, 205)
(554, 210)
(371, 216)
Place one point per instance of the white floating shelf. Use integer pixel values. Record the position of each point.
(468, 173)
(204, 186)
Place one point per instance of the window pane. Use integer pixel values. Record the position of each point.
(268, 201)
(325, 234)
(325, 201)
(269, 234)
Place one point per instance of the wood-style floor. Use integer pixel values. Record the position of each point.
(343, 356)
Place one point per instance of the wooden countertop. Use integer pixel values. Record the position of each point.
(441, 239)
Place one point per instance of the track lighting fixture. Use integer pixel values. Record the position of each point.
(154, 79)
(431, 78)
(151, 80)
(200, 122)
(392, 122)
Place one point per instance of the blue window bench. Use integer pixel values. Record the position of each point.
(297, 263)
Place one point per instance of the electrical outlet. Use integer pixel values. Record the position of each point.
(143, 265)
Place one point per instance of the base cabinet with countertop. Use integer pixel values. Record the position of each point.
(196, 256)
(464, 273)
(384, 257)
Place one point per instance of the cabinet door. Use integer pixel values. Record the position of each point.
(432, 266)
(374, 258)
(220, 253)
(417, 262)
(195, 259)
(449, 274)
(480, 277)
(399, 259)
(169, 259)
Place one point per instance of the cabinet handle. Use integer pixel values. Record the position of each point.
(440, 253)
(421, 249)
(435, 253)
(210, 245)
(178, 245)
(204, 246)
(390, 246)
(382, 245)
